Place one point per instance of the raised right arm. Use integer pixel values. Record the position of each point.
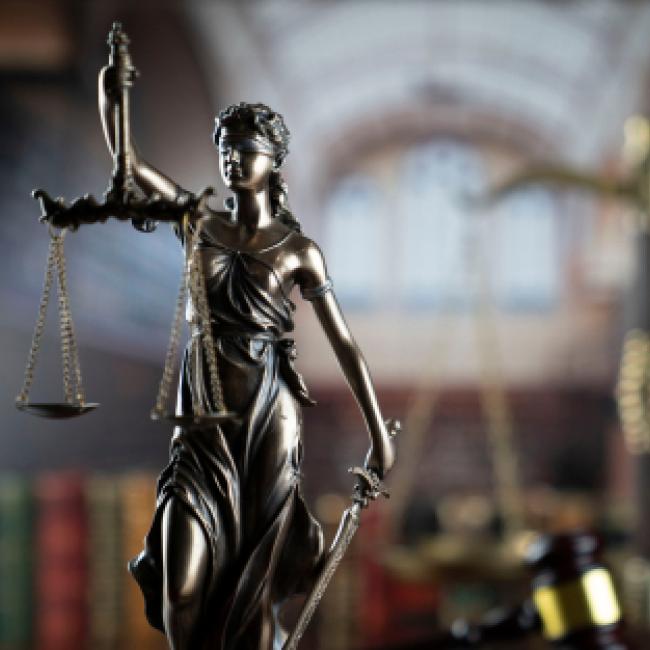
(165, 199)
(148, 178)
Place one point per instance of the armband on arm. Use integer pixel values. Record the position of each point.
(311, 293)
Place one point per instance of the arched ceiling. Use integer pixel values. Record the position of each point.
(557, 79)
(544, 78)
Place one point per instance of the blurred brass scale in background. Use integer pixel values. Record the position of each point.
(632, 395)
(564, 604)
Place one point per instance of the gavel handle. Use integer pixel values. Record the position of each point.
(497, 625)
(503, 624)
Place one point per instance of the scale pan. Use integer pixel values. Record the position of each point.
(56, 411)
(189, 421)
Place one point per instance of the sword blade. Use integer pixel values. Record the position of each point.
(347, 528)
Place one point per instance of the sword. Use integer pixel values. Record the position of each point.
(368, 488)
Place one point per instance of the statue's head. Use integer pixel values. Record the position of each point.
(253, 141)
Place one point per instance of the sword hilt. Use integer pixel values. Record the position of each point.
(369, 486)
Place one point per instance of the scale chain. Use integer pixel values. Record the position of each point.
(23, 396)
(192, 281)
(200, 299)
(64, 324)
(72, 382)
(172, 347)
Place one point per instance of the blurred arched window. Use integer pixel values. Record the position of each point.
(526, 257)
(433, 181)
(415, 236)
(354, 236)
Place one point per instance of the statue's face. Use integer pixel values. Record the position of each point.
(245, 162)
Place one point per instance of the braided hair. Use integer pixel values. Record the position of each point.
(262, 120)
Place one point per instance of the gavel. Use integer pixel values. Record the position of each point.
(573, 604)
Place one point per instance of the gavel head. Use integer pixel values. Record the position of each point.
(574, 594)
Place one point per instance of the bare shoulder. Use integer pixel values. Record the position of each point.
(305, 249)
(311, 268)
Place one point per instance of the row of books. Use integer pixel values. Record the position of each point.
(65, 539)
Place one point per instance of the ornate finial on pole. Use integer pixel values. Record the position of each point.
(117, 34)
(122, 186)
(120, 199)
(119, 56)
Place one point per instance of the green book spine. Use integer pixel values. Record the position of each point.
(16, 553)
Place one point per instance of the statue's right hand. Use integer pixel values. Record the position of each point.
(113, 78)
(109, 85)
(107, 100)
(108, 82)
(381, 455)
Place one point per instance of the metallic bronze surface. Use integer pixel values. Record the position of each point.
(369, 487)
(56, 411)
(87, 210)
(122, 186)
(187, 421)
(123, 200)
(232, 537)
(75, 398)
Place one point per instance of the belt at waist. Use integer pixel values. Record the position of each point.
(220, 332)
(286, 349)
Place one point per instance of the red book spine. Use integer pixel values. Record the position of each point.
(373, 613)
(398, 604)
(61, 563)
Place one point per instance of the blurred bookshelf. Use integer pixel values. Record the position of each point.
(65, 538)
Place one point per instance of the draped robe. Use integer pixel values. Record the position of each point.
(240, 480)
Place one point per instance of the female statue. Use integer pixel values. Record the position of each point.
(231, 537)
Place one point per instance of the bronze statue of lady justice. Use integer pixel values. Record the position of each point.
(232, 537)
